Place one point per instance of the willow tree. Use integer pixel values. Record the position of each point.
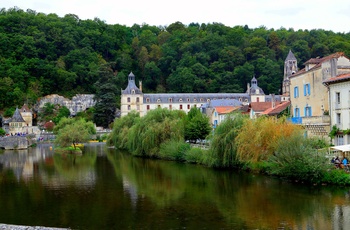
(121, 126)
(156, 127)
(223, 147)
(257, 139)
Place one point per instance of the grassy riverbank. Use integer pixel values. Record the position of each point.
(265, 145)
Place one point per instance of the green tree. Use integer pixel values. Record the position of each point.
(196, 125)
(2, 132)
(74, 132)
(106, 100)
(63, 111)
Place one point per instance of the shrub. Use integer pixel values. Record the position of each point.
(174, 150)
(195, 156)
(337, 177)
(295, 159)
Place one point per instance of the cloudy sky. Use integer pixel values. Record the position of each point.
(297, 14)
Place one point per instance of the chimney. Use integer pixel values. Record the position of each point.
(140, 83)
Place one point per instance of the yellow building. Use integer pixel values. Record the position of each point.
(308, 95)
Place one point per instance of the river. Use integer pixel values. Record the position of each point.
(108, 189)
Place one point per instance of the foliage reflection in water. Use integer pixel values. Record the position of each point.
(108, 189)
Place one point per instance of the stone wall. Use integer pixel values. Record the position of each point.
(14, 142)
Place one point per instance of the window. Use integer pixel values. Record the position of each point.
(137, 99)
(338, 119)
(188, 100)
(201, 100)
(147, 100)
(129, 107)
(147, 107)
(306, 89)
(257, 99)
(180, 100)
(180, 106)
(128, 99)
(158, 100)
(296, 112)
(170, 100)
(340, 140)
(133, 91)
(337, 97)
(215, 114)
(296, 92)
(188, 106)
(308, 111)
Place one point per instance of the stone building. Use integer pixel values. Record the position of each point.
(339, 107)
(133, 99)
(309, 97)
(16, 123)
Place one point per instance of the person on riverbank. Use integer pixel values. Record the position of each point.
(337, 162)
(344, 162)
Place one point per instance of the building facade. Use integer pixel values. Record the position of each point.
(339, 107)
(309, 97)
(132, 98)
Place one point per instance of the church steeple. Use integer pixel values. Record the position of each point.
(290, 68)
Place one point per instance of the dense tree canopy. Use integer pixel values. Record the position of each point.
(44, 54)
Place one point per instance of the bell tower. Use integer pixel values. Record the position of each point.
(290, 68)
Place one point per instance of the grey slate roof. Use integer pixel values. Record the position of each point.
(225, 102)
(290, 56)
(131, 88)
(17, 117)
(192, 97)
(255, 89)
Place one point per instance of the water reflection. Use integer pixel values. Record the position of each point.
(108, 189)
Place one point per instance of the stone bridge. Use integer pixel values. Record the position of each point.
(14, 142)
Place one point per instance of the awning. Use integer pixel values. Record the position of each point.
(343, 148)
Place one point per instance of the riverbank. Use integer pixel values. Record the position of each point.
(23, 227)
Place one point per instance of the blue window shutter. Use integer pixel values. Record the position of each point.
(305, 112)
(308, 89)
(304, 90)
(297, 91)
(310, 111)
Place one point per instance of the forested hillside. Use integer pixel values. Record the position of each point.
(43, 54)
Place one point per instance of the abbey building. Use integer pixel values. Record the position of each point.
(133, 99)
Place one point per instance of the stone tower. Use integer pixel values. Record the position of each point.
(290, 68)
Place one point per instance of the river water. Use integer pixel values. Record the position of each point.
(108, 189)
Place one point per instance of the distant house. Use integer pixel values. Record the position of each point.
(339, 107)
(17, 123)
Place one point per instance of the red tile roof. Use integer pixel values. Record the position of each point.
(277, 109)
(260, 106)
(226, 109)
(318, 62)
(339, 78)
